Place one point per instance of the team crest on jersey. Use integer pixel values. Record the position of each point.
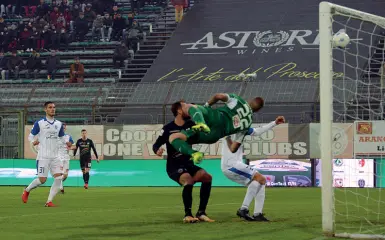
(236, 121)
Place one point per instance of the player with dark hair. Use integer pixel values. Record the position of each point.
(213, 124)
(48, 133)
(85, 145)
(181, 169)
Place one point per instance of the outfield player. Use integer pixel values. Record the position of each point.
(182, 170)
(85, 145)
(213, 124)
(64, 156)
(47, 133)
(239, 172)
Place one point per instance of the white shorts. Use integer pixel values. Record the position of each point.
(66, 165)
(44, 166)
(240, 173)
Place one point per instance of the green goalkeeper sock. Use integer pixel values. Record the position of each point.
(196, 114)
(182, 147)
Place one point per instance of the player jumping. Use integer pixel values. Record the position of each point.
(64, 156)
(85, 144)
(48, 131)
(213, 124)
(237, 171)
(182, 170)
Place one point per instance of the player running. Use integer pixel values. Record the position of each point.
(64, 156)
(46, 133)
(182, 170)
(213, 124)
(85, 144)
(237, 171)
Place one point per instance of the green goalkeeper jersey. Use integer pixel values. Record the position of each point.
(235, 117)
(238, 116)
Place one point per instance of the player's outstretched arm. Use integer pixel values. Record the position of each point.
(224, 97)
(76, 147)
(260, 130)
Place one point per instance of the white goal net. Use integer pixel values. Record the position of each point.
(353, 205)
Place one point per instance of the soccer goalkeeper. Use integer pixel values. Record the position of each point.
(213, 124)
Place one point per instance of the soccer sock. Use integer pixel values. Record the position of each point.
(34, 184)
(187, 199)
(61, 184)
(54, 188)
(259, 200)
(205, 195)
(196, 115)
(87, 177)
(250, 194)
(182, 146)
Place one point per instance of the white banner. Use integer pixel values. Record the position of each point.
(369, 138)
(349, 173)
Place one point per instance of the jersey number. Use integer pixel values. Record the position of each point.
(244, 115)
(41, 169)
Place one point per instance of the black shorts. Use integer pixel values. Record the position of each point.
(174, 172)
(85, 163)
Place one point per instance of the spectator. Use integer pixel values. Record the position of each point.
(2, 24)
(13, 44)
(81, 28)
(115, 11)
(46, 37)
(179, 7)
(89, 15)
(107, 25)
(25, 40)
(133, 36)
(54, 15)
(55, 38)
(15, 64)
(3, 66)
(64, 38)
(7, 10)
(118, 26)
(68, 19)
(64, 5)
(37, 42)
(76, 72)
(52, 63)
(42, 9)
(29, 10)
(75, 13)
(60, 22)
(97, 26)
(33, 65)
(121, 54)
(135, 5)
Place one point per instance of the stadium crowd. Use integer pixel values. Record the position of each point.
(37, 26)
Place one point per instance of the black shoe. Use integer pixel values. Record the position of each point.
(244, 213)
(260, 218)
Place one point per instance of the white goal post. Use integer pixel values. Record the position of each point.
(327, 11)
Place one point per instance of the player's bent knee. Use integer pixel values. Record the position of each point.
(260, 178)
(186, 179)
(42, 179)
(208, 178)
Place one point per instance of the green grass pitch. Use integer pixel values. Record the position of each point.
(156, 213)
